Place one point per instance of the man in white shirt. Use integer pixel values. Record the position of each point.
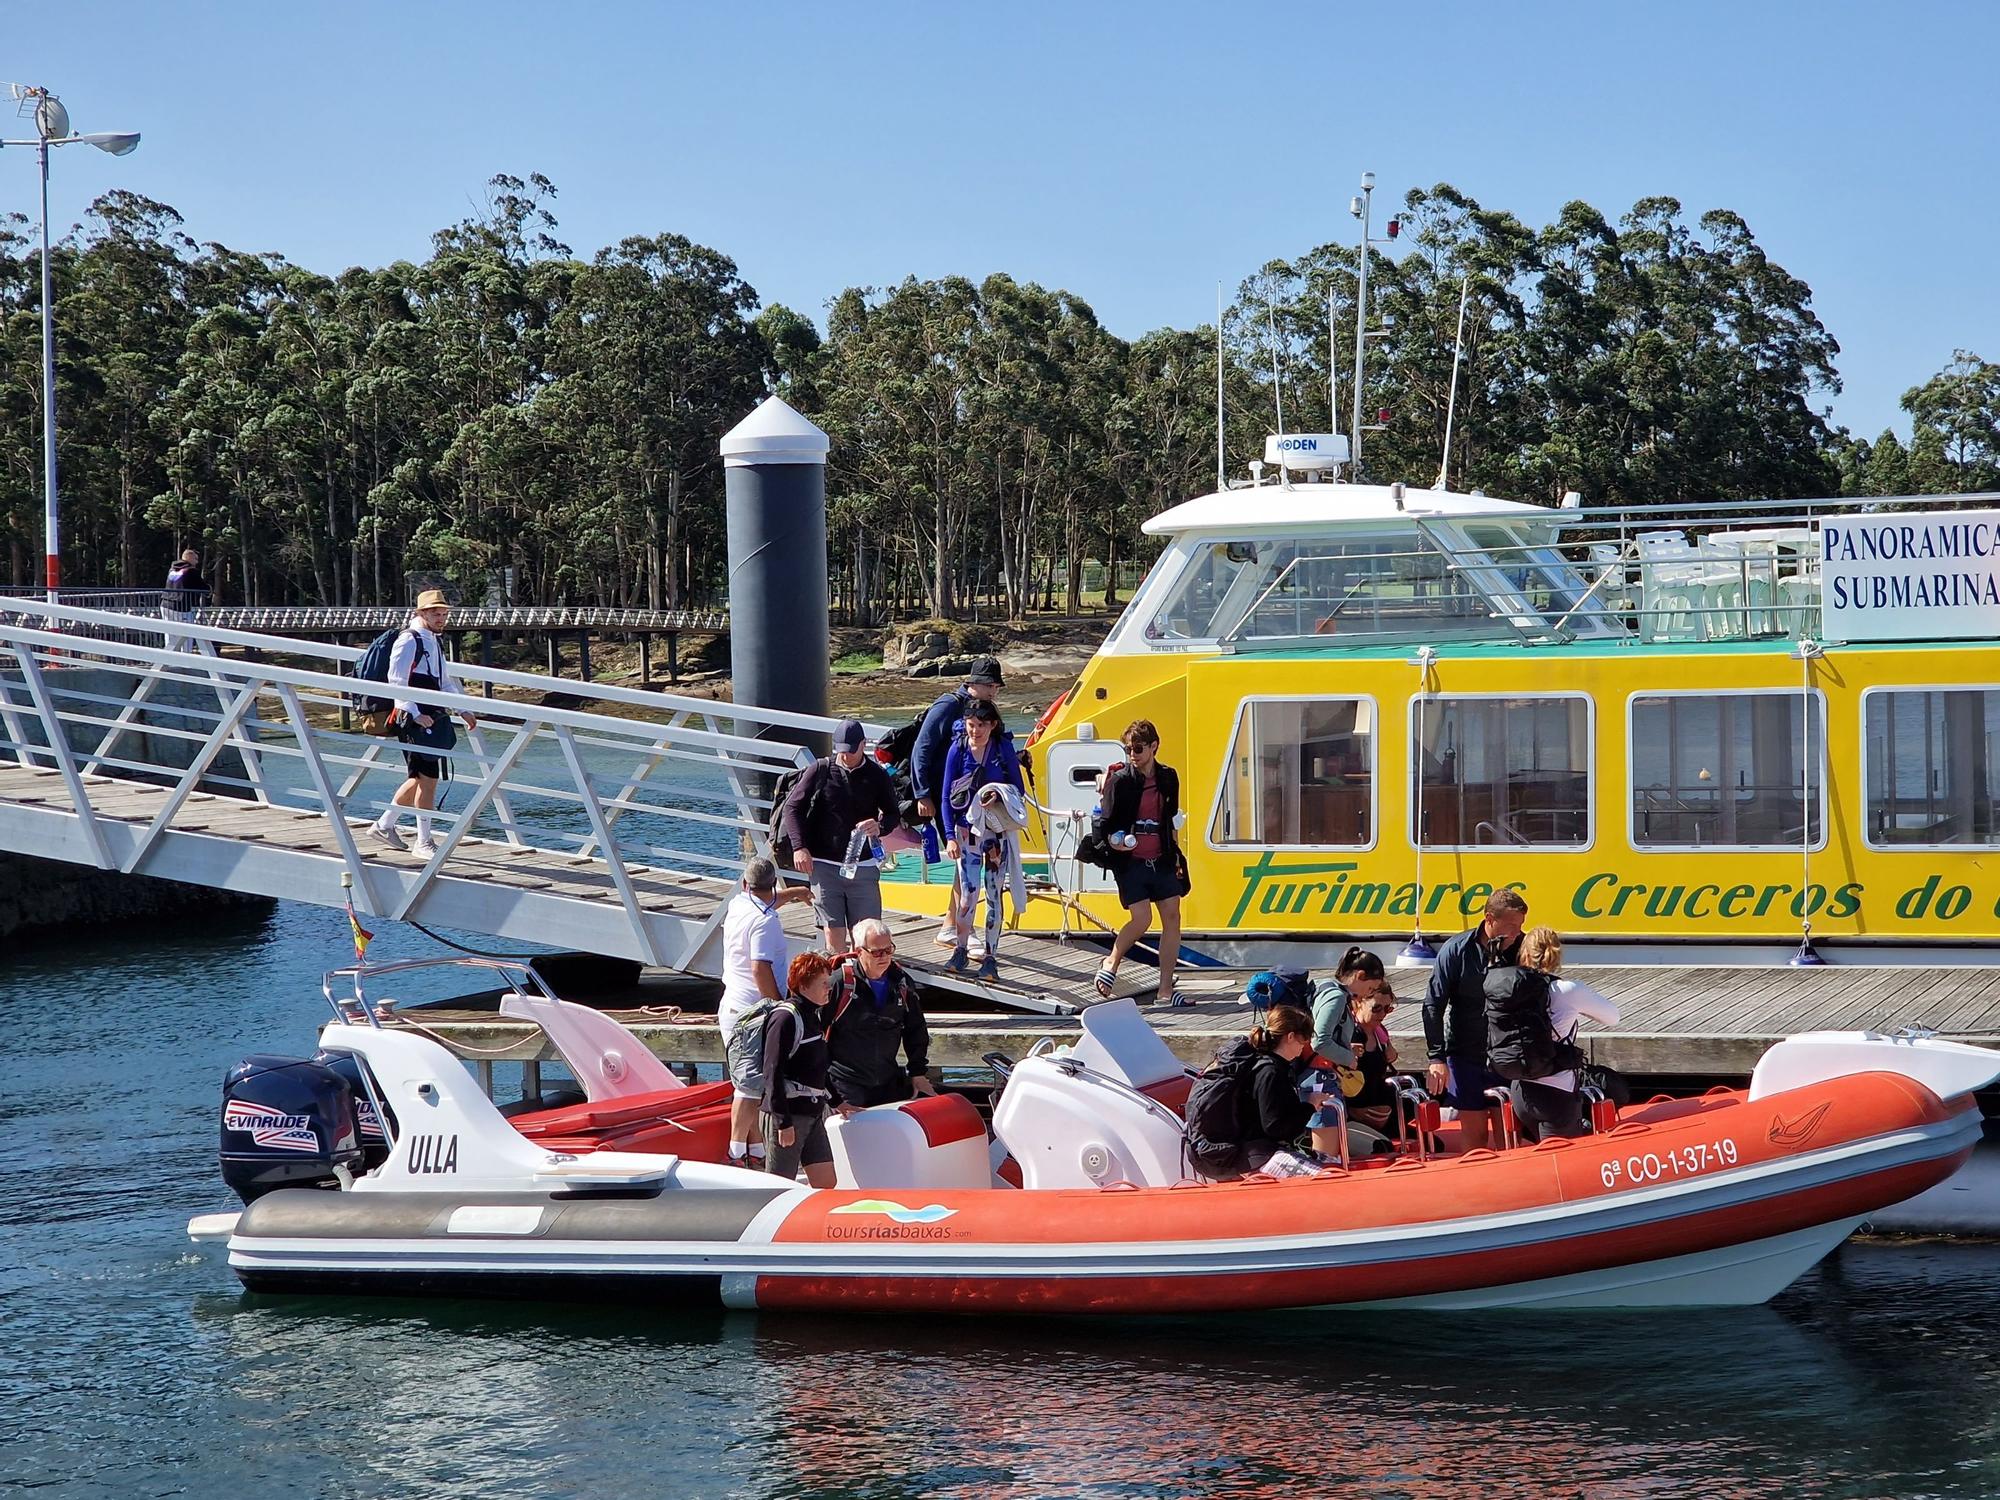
(417, 663)
(755, 953)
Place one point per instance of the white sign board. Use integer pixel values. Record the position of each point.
(1913, 576)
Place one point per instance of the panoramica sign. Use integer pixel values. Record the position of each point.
(1912, 577)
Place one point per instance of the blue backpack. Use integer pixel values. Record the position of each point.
(378, 714)
(1279, 987)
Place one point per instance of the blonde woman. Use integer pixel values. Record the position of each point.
(1551, 1106)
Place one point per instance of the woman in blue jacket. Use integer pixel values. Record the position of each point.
(981, 754)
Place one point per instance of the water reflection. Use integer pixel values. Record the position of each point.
(1821, 1394)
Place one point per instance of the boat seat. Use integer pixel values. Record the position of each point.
(1068, 1125)
(934, 1141)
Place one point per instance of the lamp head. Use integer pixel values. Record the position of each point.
(117, 142)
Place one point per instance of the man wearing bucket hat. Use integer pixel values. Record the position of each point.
(840, 797)
(417, 663)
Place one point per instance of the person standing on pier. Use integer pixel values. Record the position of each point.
(755, 952)
(1455, 1012)
(1141, 813)
(185, 591)
(982, 685)
(417, 664)
(840, 797)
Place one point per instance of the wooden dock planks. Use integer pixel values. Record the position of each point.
(1675, 1018)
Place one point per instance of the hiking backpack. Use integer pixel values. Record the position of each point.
(781, 793)
(377, 714)
(743, 1052)
(895, 750)
(1521, 1040)
(1212, 1116)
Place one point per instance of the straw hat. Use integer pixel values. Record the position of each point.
(433, 599)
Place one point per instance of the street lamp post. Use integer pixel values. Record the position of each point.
(52, 129)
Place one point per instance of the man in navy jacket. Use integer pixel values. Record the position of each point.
(1455, 1011)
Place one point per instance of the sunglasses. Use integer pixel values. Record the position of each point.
(879, 952)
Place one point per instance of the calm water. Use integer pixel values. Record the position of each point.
(133, 1366)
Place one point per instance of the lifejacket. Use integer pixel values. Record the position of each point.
(1521, 1040)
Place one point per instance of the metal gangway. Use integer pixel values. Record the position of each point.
(618, 826)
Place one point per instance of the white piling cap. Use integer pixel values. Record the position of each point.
(773, 434)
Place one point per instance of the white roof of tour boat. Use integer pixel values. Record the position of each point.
(1289, 506)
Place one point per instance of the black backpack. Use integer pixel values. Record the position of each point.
(1214, 1121)
(1521, 1040)
(781, 845)
(894, 750)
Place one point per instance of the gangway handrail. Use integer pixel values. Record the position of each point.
(464, 671)
(282, 712)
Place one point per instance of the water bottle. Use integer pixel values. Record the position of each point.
(931, 851)
(884, 860)
(857, 845)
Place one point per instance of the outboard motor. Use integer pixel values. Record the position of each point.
(375, 1140)
(286, 1122)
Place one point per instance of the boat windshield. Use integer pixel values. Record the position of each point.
(1209, 595)
(1528, 577)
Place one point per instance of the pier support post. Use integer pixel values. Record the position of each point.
(645, 659)
(583, 655)
(774, 478)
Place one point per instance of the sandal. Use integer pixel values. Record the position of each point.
(1106, 981)
(1175, 1000)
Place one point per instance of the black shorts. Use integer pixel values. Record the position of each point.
(1147, 880)
(429, 767)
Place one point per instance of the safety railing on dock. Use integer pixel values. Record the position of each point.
(641, 781)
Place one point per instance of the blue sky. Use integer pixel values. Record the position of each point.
(1134, 154)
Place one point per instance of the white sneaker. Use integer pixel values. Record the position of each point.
(423, 848)
(946, 936)
(387, 836)
(976, 948)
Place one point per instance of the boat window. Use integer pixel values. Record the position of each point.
(1512, 771)
(1301, 772)
(1932, 766)
(1727, 770)
(1209, 595)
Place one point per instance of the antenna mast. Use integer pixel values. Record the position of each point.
(1360, 209)
(1277, 379)
(1451, 406)
(1221, 464)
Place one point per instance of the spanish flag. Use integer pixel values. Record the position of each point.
(362, 936)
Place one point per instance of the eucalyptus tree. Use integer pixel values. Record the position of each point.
(1955, 429)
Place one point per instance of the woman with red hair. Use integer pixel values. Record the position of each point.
(795, 1092)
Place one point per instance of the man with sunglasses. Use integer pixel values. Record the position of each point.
(873, 1014)
(1139, 815)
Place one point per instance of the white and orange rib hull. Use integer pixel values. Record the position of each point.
(1719, 1200)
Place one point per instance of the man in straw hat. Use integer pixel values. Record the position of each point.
(416, 663)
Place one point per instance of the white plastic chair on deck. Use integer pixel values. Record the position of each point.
(1740, 583)
(1673, 587)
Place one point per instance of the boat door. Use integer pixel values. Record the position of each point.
(1074, 766)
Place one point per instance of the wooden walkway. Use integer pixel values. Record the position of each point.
(1705, 1022)
(1680, 1020)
